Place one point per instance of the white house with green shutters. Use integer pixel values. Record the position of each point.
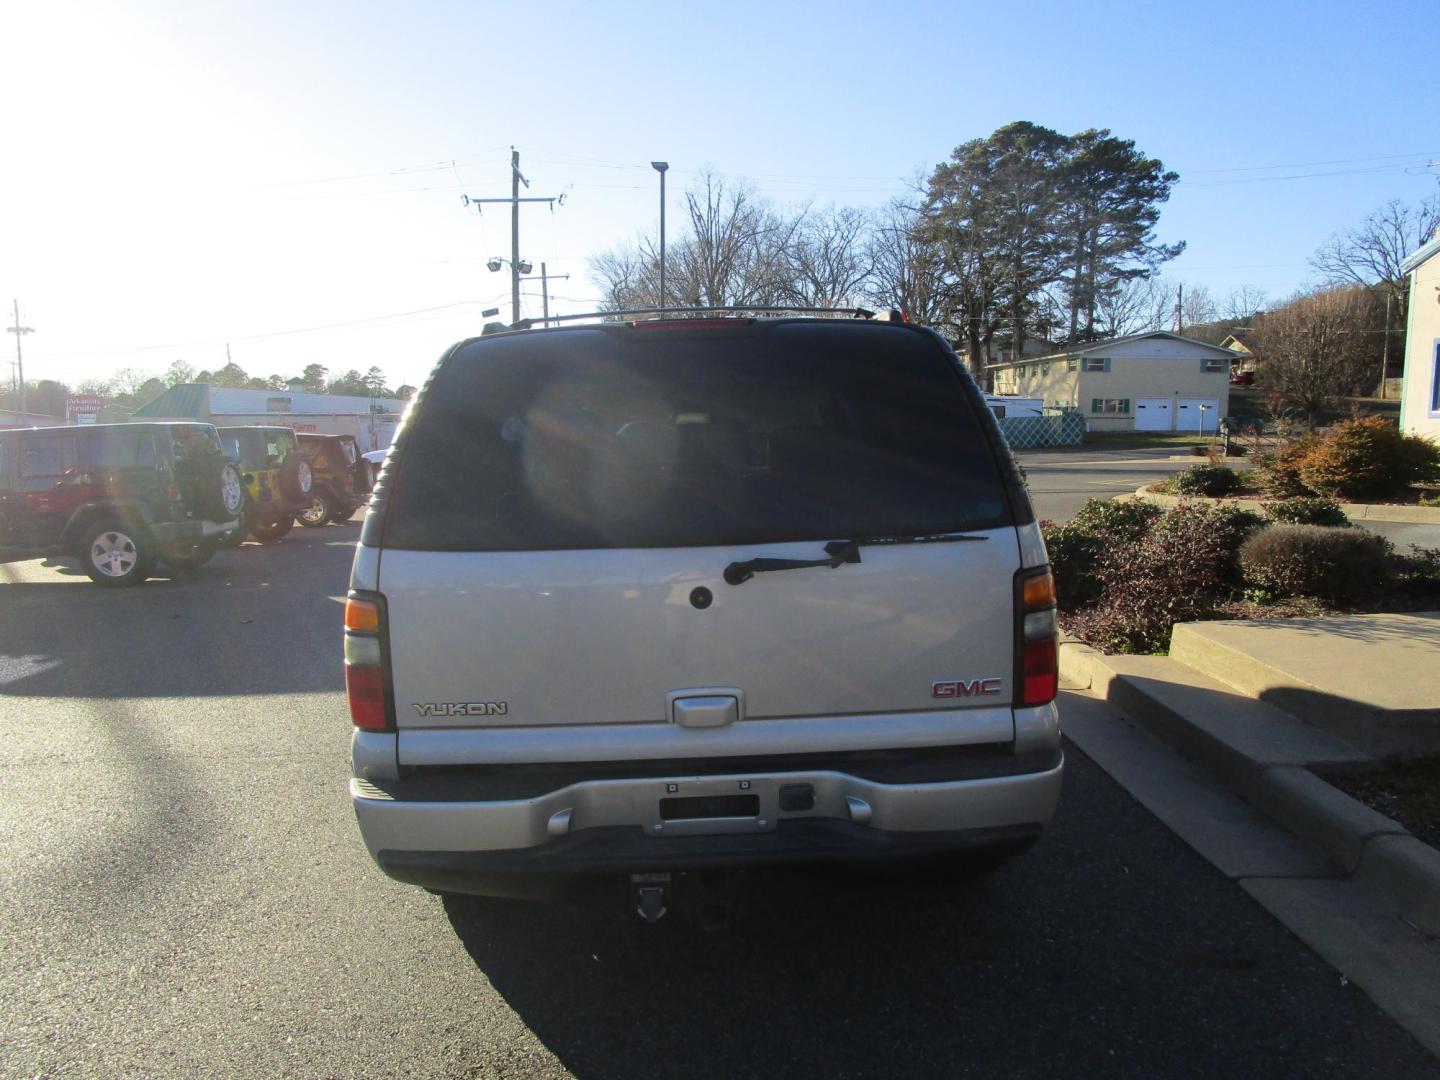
(1156, 381)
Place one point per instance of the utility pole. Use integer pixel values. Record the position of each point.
(1180, 307)
(516, 179)
(545, 280)
(19, 332)
(1385, 350)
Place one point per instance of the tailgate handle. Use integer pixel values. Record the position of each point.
(707, 711)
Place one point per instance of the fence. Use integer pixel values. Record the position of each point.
(1028, 432)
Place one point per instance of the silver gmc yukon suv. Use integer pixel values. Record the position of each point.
(676, 595)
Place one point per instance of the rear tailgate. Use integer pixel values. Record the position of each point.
(545, 558)
(552, 639)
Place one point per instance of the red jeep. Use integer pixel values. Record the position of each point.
(117, 497)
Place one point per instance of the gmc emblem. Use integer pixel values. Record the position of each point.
(957, 688)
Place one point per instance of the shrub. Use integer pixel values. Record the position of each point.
(1279, 473)
(1419, 573)
(1306, 511)
(1339, 566)
(1118, 521)
(1207, 480)
(1368, 458)
(1176, 572)
(1073, 554)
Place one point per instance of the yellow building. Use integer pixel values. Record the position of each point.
(1420, 381)
(1156, 381)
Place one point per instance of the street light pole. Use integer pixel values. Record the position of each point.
(660, 167)
(515, 235)
(19, 332)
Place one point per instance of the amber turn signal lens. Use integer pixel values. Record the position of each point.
(1040, 591)
(363, 616)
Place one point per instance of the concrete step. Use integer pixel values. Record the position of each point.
(1266, 757)
(1234, 737)
(1371, 680)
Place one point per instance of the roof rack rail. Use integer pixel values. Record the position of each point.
(892, 315)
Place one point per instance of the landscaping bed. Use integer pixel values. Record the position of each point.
(1407, 791)
(1127, 570)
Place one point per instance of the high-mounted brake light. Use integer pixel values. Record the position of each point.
(1037, 631)
(367, 663)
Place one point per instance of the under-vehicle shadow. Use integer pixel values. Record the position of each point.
(256, 620)
(1111, 949)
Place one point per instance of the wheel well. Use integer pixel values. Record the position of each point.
(86, 517)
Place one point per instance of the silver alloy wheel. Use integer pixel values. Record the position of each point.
(315, 513)
(232, 492)
(113, 554)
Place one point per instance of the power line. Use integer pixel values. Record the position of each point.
(267, 334)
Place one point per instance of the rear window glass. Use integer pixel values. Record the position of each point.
(661, 438)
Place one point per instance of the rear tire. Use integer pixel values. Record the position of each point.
(116, 554)
(321, 511)
(270, 532)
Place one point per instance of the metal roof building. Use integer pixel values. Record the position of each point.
(371, 419)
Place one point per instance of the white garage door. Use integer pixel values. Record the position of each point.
(1152, 414)
(1197, 414)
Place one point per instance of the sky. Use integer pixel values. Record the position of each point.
(287, 177)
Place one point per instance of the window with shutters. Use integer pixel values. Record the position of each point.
(1097, 363)
(1110, 406)
(1212, 364)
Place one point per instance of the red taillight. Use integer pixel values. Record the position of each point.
(1037, 652)
(367, 659)
(1039, 672)
(365, 687)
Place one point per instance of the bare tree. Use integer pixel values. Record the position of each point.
(737, 250)
(1196, 306)
(1134, 307)
(1321, 345)
(830, 261)
(625, 278)
(1371, 253)
(906, 270)
(1243, 303)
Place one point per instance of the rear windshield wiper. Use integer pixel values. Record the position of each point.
(838, 552)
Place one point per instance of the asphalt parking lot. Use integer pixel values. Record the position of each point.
(184, 893)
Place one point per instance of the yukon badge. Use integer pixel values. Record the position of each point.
(958, 688)
(462, 708)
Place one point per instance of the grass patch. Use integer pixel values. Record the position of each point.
(1408, 791)
(1144, 440)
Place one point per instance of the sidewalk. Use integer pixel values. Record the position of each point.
(1265, 710)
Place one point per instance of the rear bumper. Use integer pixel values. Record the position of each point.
(618, 825)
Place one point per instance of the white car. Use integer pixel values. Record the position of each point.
(376, 458)
(645, 599)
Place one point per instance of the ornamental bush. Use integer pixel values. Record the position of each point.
(1368, 458)
(1178, 571)
(1339, 566)
(1306, 511)
(1117, 521)
(1279, 475)
(1211, 480)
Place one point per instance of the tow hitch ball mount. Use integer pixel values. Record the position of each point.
(651, 893)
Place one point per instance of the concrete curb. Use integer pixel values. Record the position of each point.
(1415, 515)
(1365, 844)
